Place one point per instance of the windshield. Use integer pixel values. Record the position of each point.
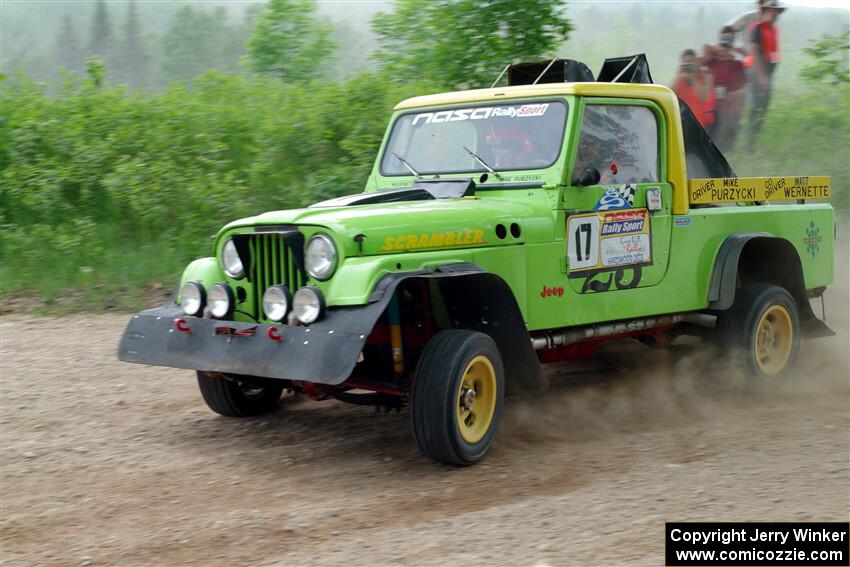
(505, 137)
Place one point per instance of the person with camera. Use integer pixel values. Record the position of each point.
(694, 85)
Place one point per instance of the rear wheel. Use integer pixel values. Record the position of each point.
(457, 398)
(239, 396)
(761, 331)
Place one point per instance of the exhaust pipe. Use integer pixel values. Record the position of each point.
(572, 335)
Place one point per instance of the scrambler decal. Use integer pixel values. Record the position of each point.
(601, 241)
(468, 237)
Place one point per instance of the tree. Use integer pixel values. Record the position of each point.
(465, 43)
(100, 41)
(68, 54)
(132, 64)
(828, 57)
(196, 42)
(289, 41)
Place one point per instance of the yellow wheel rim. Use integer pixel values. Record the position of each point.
(476, 399)
(774, 340)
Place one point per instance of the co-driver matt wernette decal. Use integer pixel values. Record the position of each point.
(482, 113)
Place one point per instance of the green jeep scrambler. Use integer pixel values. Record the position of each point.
(500, 229)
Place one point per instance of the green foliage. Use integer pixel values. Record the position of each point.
(289, 41)
(105, 190)
(95, 69)
(829, 56)
(466, 43)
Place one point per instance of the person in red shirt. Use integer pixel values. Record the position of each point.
(696, 87)
(764, 50)
(730, 79)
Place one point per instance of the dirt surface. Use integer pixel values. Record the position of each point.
(111, 463)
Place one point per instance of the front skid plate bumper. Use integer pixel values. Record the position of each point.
(319, 353)
(327, 351)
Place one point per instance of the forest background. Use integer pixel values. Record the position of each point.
(131, 131)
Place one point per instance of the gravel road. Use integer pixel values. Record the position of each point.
(111, 463)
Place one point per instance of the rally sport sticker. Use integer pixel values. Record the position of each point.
(607, 240)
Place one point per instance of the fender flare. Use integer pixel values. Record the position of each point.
(724, 280)
(724, 277)
(494, 312)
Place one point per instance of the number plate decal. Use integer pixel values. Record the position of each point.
(583, 248)
(604, 241)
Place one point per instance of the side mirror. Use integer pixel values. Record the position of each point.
(590, 176)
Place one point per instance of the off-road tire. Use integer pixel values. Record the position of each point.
(239, 396)
(437, 403)
(739, 329)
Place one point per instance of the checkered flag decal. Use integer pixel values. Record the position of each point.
(616, 197)
(628, 194)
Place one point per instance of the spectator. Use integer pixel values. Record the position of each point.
(729, 82)
(695, 86)
(740, 24)
(764, 49)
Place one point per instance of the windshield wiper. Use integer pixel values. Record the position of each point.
(482, 162)
(407, 165)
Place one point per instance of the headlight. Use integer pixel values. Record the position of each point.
(220, 300)
(230, 260)
(192, 298)
(320, 257)
(308, 304)
(276, 302)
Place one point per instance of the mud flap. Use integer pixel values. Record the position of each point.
(814, 328)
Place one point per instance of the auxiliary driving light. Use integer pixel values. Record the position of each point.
(276, 302)
(192, 298)
(308, 304)
(220, 300)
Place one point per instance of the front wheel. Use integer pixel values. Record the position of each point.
(457, 397)
(239, 396)
(761, 331)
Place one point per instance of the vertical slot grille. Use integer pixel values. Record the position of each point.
(272, 263)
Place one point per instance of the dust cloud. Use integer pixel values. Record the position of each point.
(627, 386)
